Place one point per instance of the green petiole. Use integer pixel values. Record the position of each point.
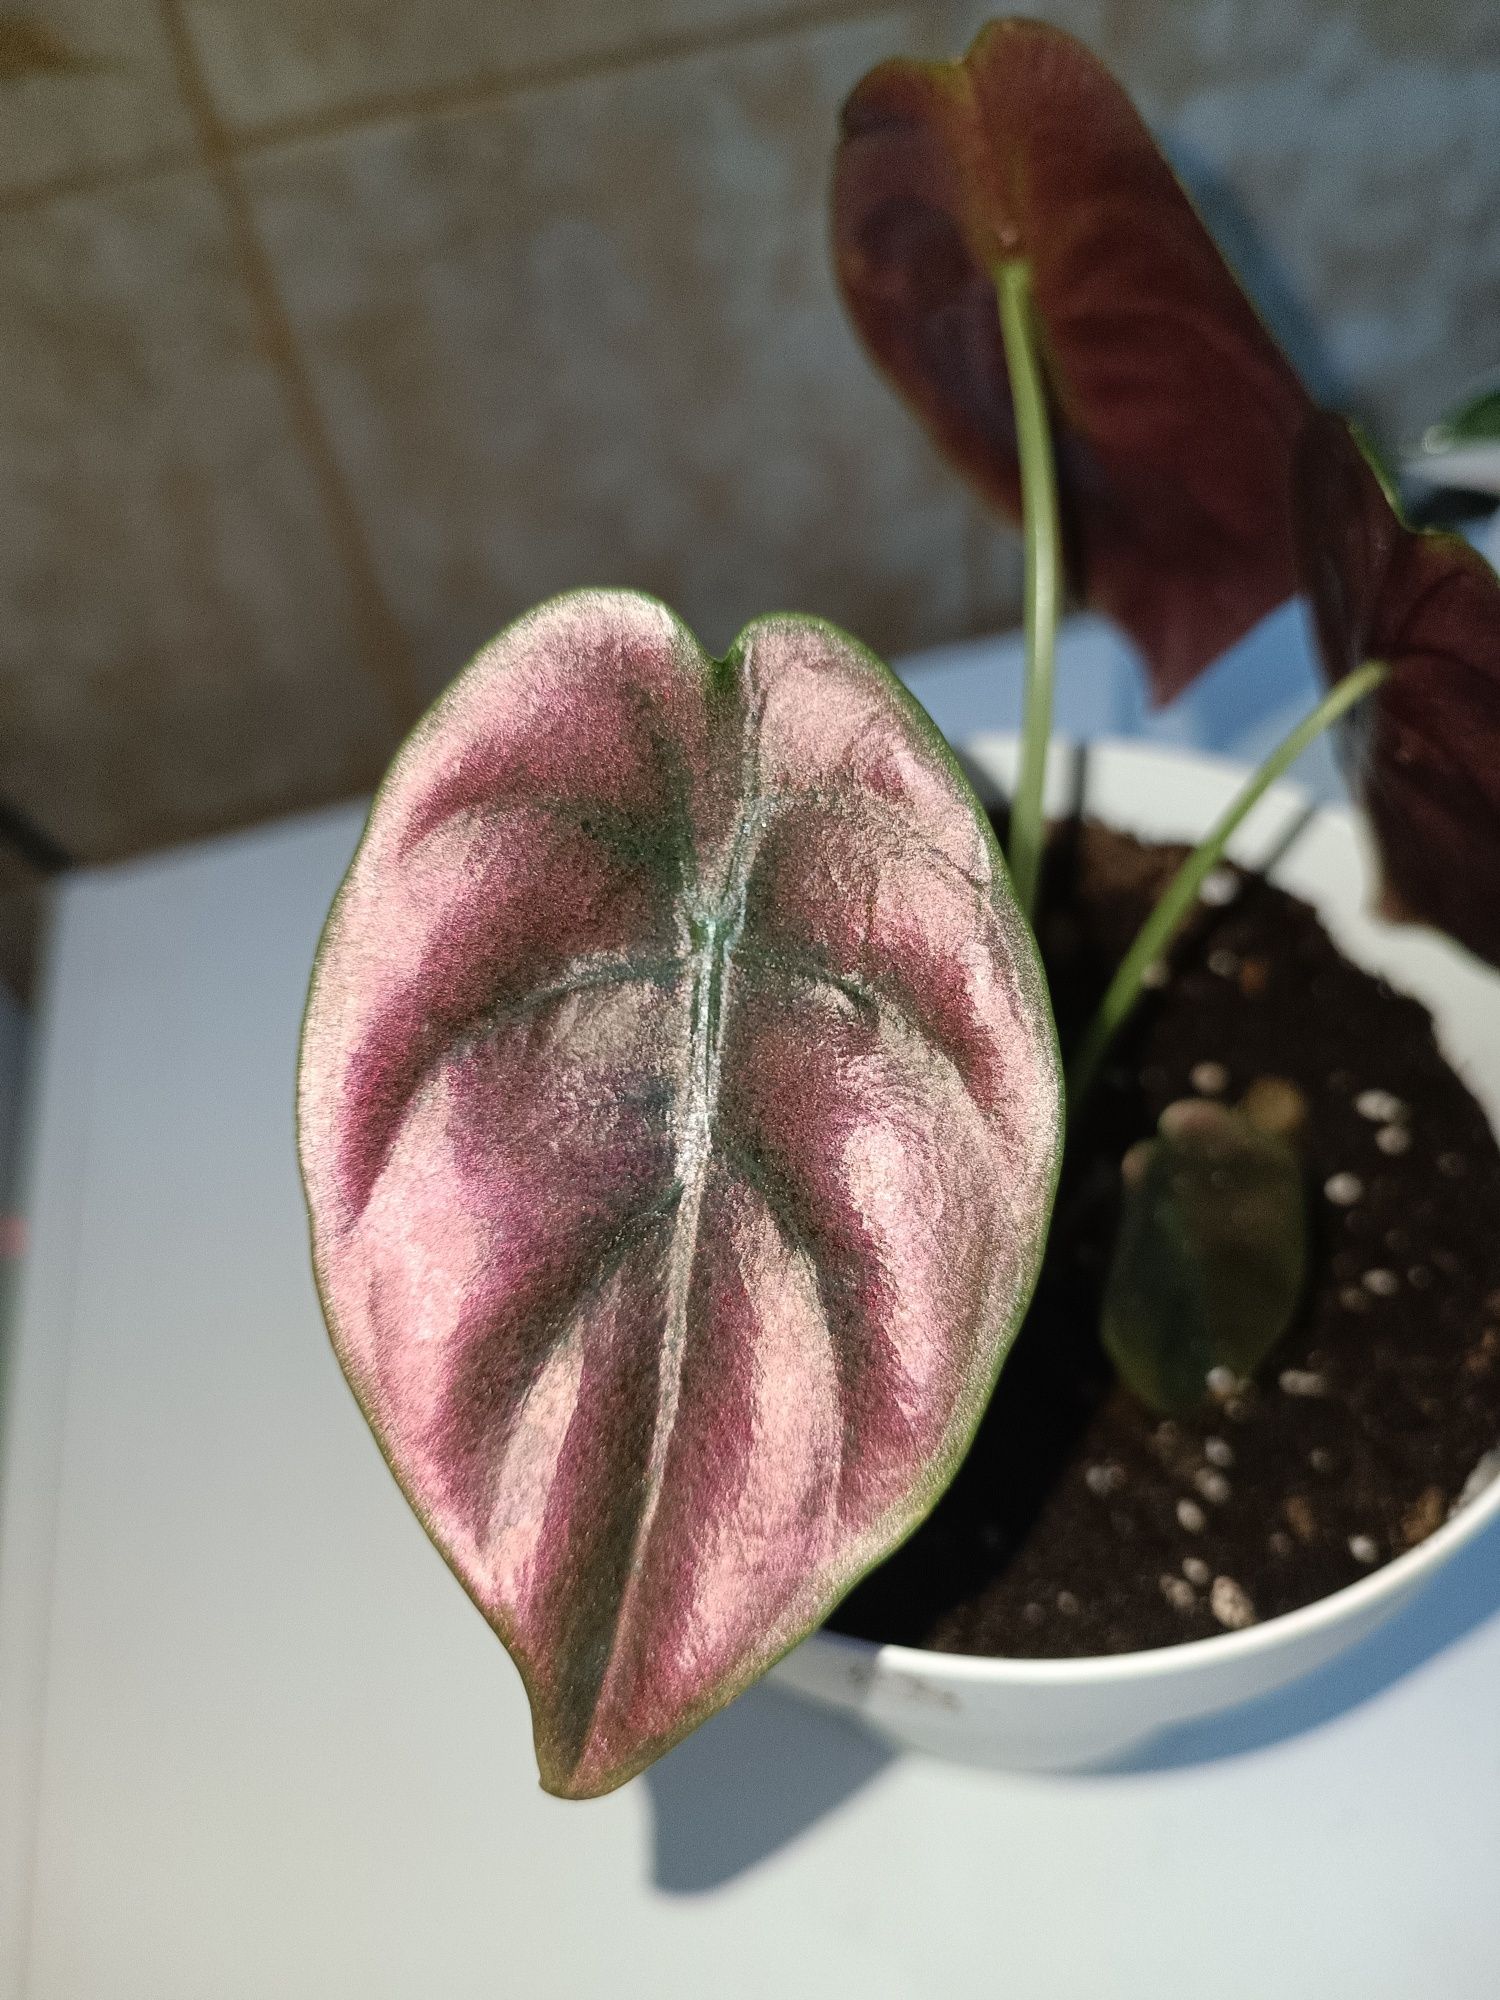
(1161, 926)
(1039, 514)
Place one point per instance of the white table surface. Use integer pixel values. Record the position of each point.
(256, 1745)
(12, 1065)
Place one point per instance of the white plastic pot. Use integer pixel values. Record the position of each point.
(1069, 1714)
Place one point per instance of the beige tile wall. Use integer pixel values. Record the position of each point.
(88, 92)
(333, 332)
(584, 333)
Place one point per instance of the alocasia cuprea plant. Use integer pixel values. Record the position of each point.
(679, 1105)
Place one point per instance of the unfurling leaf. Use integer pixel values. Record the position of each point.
(1176, 414)
(680, 1120)
(1426, 745)
(1211, 1256)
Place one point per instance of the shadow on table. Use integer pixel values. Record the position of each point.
(758, 1776)
(1460, 1597)
(749, 1782)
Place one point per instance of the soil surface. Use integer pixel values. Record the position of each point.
(1082, 1523)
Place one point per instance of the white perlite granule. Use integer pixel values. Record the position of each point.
(1196, 1570)
(1230, 1603)
(1179, 1594)
(1343, 1190)
(1209, 1079)
(1302, 1382)
(1363, 1548)
(1379, 1107)
(1191, 1517)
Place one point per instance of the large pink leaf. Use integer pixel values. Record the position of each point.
(679, 1119)
(1176, 415)
(1427, 742)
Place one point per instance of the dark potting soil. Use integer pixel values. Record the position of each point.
(1081, 1522)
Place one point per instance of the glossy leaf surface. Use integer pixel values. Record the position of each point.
(1175, 412)
(1211, 1256)
(1426, 744)
(680, 1120)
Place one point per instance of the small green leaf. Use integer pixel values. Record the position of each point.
(1476, 420)
(1211, 1254)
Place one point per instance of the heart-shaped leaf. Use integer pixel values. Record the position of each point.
(679, 1119)
(1426, 744)
(1176, 414)
(1211, 1255)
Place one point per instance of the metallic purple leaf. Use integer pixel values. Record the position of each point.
(679, 1119)
(1175, 414)
(1427, 742)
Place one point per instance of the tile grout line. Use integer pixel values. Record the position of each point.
(442, 100)
(386, 652)
(496, 87)
(97, 180)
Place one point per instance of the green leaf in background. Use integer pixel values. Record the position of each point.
(1476, 420)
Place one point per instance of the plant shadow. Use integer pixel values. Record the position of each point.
(755, 1778)
(1463, 1596)
(750, 1782)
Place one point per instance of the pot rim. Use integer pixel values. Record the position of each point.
(1192, 1655)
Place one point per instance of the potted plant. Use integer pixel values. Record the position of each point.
(681, 1107)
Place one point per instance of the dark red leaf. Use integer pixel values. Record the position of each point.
(679, 1118)
(1176, 414)
(1427, 742)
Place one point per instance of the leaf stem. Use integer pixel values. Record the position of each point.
(1039, 515)
(1177, 899)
